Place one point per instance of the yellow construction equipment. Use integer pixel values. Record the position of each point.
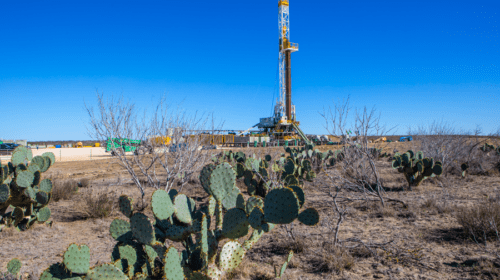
(97, 144)
(381, 139)
(79, 145)
(165, 140)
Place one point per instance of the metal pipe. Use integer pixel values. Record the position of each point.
(288, 75)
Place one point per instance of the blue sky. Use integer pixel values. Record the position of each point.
(415, 61)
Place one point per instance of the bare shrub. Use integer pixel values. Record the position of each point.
(482, 221)
(357, 171)
(63, 190)
(97, 203)
(179, 159)
(452, 147)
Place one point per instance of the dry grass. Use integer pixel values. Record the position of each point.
(96, 203)
(63, 189)
(334, 259)
(84, 183)
(481, 221)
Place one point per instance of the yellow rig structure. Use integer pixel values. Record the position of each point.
(283, 125)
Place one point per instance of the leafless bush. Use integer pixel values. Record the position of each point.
(357, 171)
(97, 203)
(481, 221)
(178, 159)
(63, 190)
(452, 146)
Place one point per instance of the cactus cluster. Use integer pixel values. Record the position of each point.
(415, 167)
(22, 188)
(487, 147)
(141, 251)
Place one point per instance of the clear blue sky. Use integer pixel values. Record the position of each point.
(415, 61)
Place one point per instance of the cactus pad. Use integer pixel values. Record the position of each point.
(24, 179)
(235, 224)
(125, 204)
(240, 201)
(20, 155)
(256, 217)
(30, 193)
(300, 194)
(33, 168)
(437, 169)
(289, 166)
(4, 193)
(142, 229)
(42, 197)
(46, 185)
(39, 161)
(17, 215)
(161, 205)
(173, 269)
(252, 202)
(205, 174)
(182, 208)
(281, 206)
(128, 256)
(105, 272)
(14, 266)
(43, 214)
(120, 230)
(77, 258)
(212, 203)
(309, 217)
(291, 180)
(231, 255)
(51, 156)
(46, 164)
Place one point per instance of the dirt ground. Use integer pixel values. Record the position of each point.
(420, 241)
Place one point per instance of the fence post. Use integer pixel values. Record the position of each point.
(60, 156)
(91, 153)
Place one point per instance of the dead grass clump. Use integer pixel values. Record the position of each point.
(482, 221)
(361, 252)
(7, 276)
(84, 183)
(63, 190)
(383, 212)
(334, 259)
(96, 203)
(431, 204)
(488, 268)
(297, 246)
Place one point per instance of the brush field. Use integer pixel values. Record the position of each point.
(419, 240)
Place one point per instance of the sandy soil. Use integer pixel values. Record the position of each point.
(422, 241)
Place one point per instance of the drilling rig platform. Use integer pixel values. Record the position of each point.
(283, 125)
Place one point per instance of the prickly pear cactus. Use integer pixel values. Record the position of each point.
(14, 266)
(415, 167)
(22, 188)
(210, 252)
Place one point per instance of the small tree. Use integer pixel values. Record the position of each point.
(172, 139)
(357, 170)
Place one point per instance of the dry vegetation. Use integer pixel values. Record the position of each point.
(448, 227)
(371, 225)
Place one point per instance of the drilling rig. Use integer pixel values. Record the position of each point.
(283, 125)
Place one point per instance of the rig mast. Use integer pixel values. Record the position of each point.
(283, 124)
(284, 110)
